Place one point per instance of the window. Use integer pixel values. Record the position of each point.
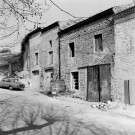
(35, 72)
(51, 57)
(51, 75)
(8, 80)
(50, 42)
(75, 81)
(98, 42)
(71, 49)
(36, 58)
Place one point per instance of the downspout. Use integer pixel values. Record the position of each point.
(59, 53)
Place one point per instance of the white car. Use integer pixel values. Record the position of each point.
(12, 83)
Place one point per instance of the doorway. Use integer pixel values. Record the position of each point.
(48, 77)
(99, 88)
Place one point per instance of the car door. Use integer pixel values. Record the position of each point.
(8, 83)
(48, 78)
(5, 83)
(2, 83)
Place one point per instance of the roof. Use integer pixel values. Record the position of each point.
(96, 17)
(30, 34)
(124, 13)
(53, 25)
(91, 19)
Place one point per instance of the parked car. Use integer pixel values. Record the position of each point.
(12, 83)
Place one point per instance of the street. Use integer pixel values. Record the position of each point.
(27, 113)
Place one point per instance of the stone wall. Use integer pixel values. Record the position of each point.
(85, 53)
(45, 48)
(35, 43)
(83, 83)
(124, 53)
(26, 58)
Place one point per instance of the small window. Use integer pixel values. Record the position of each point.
(51, 57)
(98, 42)
(51, 75)
(71, 49)
(8, 80)
(50, 42)
(75, 80)
(35, 72)
(36, 58)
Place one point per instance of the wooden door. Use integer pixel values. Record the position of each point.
(48, 78)
(105, 79)
(99, 83)
(93, 84)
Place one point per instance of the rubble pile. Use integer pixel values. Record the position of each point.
(105, 105)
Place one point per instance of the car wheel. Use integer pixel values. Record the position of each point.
(22, 89)
(10, 87)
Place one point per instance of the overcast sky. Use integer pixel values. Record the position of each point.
(78, 8)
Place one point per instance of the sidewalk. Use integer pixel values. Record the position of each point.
(125, 110)
(128, 111)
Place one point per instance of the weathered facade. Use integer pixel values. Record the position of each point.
(124, 70)
(86, 52)
(94, 57)
(40, 54)
(25, 52)
(49, 54)
(35, 70)
(30, 62)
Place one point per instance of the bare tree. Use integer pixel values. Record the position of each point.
(17, 15)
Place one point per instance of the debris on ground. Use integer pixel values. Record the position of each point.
(105, 105)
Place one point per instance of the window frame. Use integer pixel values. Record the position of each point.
(98, 42)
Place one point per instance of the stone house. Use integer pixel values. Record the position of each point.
(49, 54)
(86, 56)
(40, 54)
(124, 69)
(30, 61)
(94, 56)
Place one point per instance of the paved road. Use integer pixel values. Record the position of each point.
(24, 112)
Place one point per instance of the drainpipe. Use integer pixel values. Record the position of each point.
(59, 53)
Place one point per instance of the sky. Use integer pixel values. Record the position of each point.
(78, 8)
